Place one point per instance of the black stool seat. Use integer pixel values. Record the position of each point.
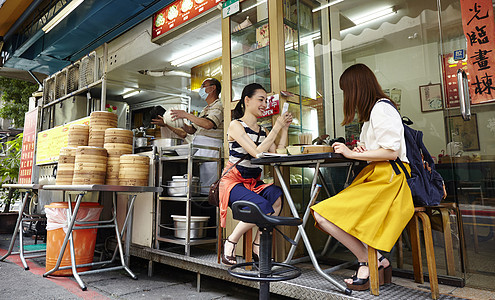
(265, 271)
(251, 213)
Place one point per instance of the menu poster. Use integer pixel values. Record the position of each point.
(450, 78)
(52, 140)
(177, 13)
(28, 143)
(272, 106)
(479, 27)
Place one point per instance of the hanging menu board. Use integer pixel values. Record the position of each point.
(50, 141)
(479, 28)
(177, 13)
(28, 142)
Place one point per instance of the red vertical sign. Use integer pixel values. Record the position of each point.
(479, 27)
(28, 145)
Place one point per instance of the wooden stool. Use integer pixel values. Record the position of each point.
(413, 227)
(373, 267)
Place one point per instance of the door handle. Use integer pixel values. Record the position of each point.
(464, 98)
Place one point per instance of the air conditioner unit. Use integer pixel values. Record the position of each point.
(60, 84)
(73, 77)
(88, 70)
(49, 90)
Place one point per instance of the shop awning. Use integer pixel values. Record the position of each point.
(90, 25)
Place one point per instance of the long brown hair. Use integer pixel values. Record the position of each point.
(361, 92)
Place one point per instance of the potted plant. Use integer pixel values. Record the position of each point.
(9, 171)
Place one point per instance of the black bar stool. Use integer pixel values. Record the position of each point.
(264, 271)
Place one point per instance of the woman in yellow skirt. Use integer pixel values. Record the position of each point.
(378, 204)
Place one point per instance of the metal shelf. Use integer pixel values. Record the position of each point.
(186, 157)
(184, 198)
(192, 242)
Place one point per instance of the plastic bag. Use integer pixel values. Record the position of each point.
(57, 217)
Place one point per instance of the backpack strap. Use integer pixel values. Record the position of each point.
(399, 162)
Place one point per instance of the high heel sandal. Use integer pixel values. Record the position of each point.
(256, 257)
(362, 284)
(359, 284)
(387, 272)
(226, 260)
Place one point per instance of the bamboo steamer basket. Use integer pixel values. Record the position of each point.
(78, 135)
(117, 149)
(99, 121)
(134, 158)
(90, 165)
(100, 117)
(134, 170)
(65, 167)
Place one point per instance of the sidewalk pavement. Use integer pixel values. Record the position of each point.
(166, 283)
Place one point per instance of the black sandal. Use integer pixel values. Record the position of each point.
(226, 260)
(387, 272)
(256, 257)
(359, 284)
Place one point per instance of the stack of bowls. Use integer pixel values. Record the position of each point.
(134, 170)
(90, 165)
(78, 135)
(117, 142)
(65, 168)
(99, 121)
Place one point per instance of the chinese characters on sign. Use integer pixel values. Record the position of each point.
(50, 141)
(177, 13)
(272, 106)
(28, 145)
(479, 28)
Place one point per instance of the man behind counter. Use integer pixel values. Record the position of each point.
(207, 129)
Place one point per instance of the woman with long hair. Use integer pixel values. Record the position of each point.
(378, 204)
(246, 140)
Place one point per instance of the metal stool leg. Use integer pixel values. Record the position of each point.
(21, 247)
(16, 230)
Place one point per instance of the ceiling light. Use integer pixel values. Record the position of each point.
(254, 5)
(199, 53)
(327, 5)
(61, 15)
(130, 94)
(384, 12)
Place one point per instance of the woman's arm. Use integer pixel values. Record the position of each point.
(380, 154)
(237, 132)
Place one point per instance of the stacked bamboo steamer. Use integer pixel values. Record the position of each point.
(99, 121)
(90, 165)
(78, 135)
(65, 168)
(117, 142)
(134, 170)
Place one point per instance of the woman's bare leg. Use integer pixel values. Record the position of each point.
(356, 246)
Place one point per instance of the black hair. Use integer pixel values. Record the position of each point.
(248, 91)
(216, 83)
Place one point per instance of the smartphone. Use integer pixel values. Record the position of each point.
(285, 108)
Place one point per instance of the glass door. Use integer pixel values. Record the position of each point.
(468, 164)
(401, 42)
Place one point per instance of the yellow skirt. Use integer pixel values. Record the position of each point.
(375, 208)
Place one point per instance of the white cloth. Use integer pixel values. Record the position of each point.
(208, 172)
(384, 130)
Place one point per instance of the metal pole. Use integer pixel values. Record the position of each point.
(16, 230)
(67, 234)
(305, 237)
(104, 78)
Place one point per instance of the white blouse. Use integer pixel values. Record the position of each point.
(384, 130)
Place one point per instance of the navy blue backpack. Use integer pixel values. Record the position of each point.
(425, 182)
